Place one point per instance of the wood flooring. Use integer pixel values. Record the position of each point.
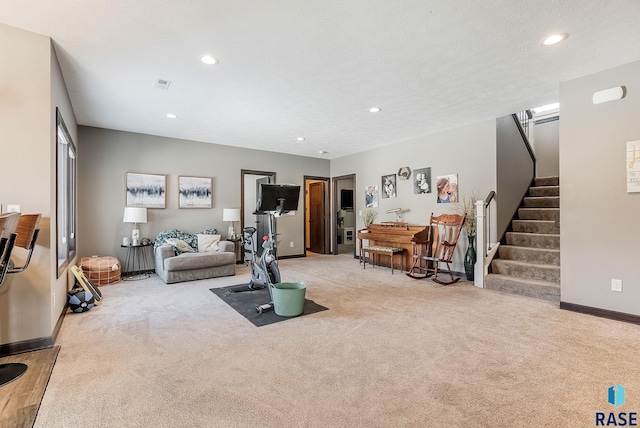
(20, 399)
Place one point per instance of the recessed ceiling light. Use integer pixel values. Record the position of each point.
(300, 138)
(375, 109)
(172, 115)
(554, 38)
(322, 152)
(208, 59)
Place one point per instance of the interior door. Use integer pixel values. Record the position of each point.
(316, 218)
(262, 222)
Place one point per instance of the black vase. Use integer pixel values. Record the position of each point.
(470, 258)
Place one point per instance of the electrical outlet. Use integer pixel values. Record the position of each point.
(54, 299)
(13, 208)
(616, 285)
(291, 244)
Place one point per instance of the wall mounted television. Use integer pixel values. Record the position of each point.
(346, 199)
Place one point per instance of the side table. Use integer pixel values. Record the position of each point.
(134, 262)
(238, 249)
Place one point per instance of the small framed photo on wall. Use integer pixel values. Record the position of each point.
(422, 181)
(389, 186)
(447, 188)
(371, 196)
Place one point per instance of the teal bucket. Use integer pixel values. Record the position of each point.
(288, 298)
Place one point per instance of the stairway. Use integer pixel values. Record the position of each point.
(529, 263)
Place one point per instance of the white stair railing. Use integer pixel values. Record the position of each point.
(485, 240)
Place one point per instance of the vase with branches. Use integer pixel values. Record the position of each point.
(467, 208)
(368, 216)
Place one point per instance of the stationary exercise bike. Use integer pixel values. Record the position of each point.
(264, 272)
(273, 200)
(264, 269)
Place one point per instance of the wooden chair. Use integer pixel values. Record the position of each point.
(27, 231)
(15, 230)
(436, 245)
(8, 225)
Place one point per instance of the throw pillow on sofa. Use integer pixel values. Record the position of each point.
(180, 246)
(208, 243)
(189, 238)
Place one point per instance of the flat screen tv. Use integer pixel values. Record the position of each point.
(346, 199)
(271, 196)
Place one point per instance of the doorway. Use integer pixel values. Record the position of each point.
(316, 215)
(250, 181)
(344, 232)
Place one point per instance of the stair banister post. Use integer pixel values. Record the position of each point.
(481, 244)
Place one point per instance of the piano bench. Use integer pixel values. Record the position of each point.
(380, 250)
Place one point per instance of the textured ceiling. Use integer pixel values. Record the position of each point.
(313, 68)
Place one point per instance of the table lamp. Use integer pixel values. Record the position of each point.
(135, 215)
(232, 215)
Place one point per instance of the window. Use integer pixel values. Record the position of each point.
(65, 195)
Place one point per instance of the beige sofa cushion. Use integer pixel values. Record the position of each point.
(188, 261)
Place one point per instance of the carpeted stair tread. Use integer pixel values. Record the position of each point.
(542, 201)
(536, 226)
(525, 287)
(536, 240)
(540, 256)
(546, 181)
(537, 272)
(539, 214)
(529, 263)
(544, 191)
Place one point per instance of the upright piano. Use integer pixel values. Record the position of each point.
(391, 234)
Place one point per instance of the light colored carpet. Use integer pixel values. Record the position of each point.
(390, 351)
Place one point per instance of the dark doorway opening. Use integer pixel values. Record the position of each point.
(344, 226)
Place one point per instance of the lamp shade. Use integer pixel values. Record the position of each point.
(231, 214)
(134, 215)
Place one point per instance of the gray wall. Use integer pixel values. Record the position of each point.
(514, 171)
(600, 230)
(106, 155)
(469, 152)
(31, 85)
(545, 141)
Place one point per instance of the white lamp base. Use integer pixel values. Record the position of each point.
(135, 235)
(231, 233)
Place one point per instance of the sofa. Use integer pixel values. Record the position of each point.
(181, 256)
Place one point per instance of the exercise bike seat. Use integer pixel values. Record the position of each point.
(249, 230)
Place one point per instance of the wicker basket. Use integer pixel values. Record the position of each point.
(101, 270)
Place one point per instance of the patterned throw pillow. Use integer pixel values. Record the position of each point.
(208, 243)
(180, 245)
(189, 238)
